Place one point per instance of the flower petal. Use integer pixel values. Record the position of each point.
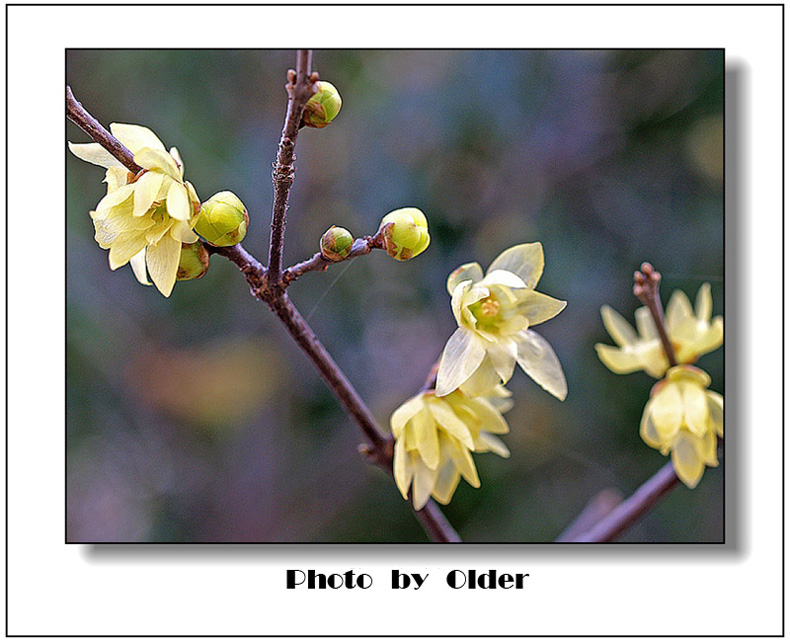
(503, 355)
(645, 324)
(482, 381)
(162, 261)
(704, 303)
(96, 154)
(461, 356)
(446, 483)
(618, 328)
(401, 469)
(424, 481)
(177, 158)
(619, 360)
(404, 413)
(695, 408)
(178, 202)
(135, 137)
(666, 412)
(182, 232)
(538, 307)
(426, 437)
(462, 458)
(525, 260)
(158, 159)
(145, 191)
(716, 411)
(503, 277)
(678, 310)
(686, 460)
(488, 443)
(138, 267)
(647, 430)
(124, 247)
(467, 272)
(452, 425)
(537, 359)
(491, 420)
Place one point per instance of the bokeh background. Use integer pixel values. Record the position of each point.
(195, 419)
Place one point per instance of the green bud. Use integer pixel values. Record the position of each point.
(223, 220)
(193, 263)
(405, 233)
(322, 108)
(336, 243)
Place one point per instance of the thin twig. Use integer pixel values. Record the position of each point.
(318, 262)
(630, 510)
(646, 284)
(79, 116)
(301, 86)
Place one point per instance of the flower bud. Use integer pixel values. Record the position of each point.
(223, 220)
(193, 263)
(322, 108)
(336, 243)
(405, 233)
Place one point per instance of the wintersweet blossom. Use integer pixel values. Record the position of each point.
(144, 218)
(684, 417)
(494, 314)
(691, 332)
(435, 438)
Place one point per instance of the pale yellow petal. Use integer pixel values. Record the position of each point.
(537, 359)
(504, 278)
(618, 328)
(686, 460)
(135, 137)
(457, 302)
(183, 233)
(404, 413)
(706, 449)
(423, 484)
(462, 458)
(401, 469)
(156, 232)
(145, 191)
(678, 309)
(648, 432)
(95, 154)
(482, 381)
(178, 202)
(666, 412)
(124, 247)
(115, 177)
(503, 355)
(155, 159)
(645, 324)
(716, 410)
(446, 483)
(426, 437)
(525, 260)
(491, 420)
(467, 272)
(538, 307)
(695, 408)
(488, 443)
(162, 261)
(138, 267)
(443, 414)
(114, 198)
(704, 303)
(619, 360)
(461, 356)
(177, 158)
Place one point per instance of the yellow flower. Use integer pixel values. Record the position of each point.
(143, 219)
(691, 332)
(494, 313)
(684, 417)
(434, 441)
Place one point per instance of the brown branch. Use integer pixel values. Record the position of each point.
(301, 86)
(646, 284)
(318, 262)
(79, 116)
(630, 510)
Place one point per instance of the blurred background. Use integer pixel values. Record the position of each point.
(195, 419)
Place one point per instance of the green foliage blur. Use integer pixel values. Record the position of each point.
(195, 419)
